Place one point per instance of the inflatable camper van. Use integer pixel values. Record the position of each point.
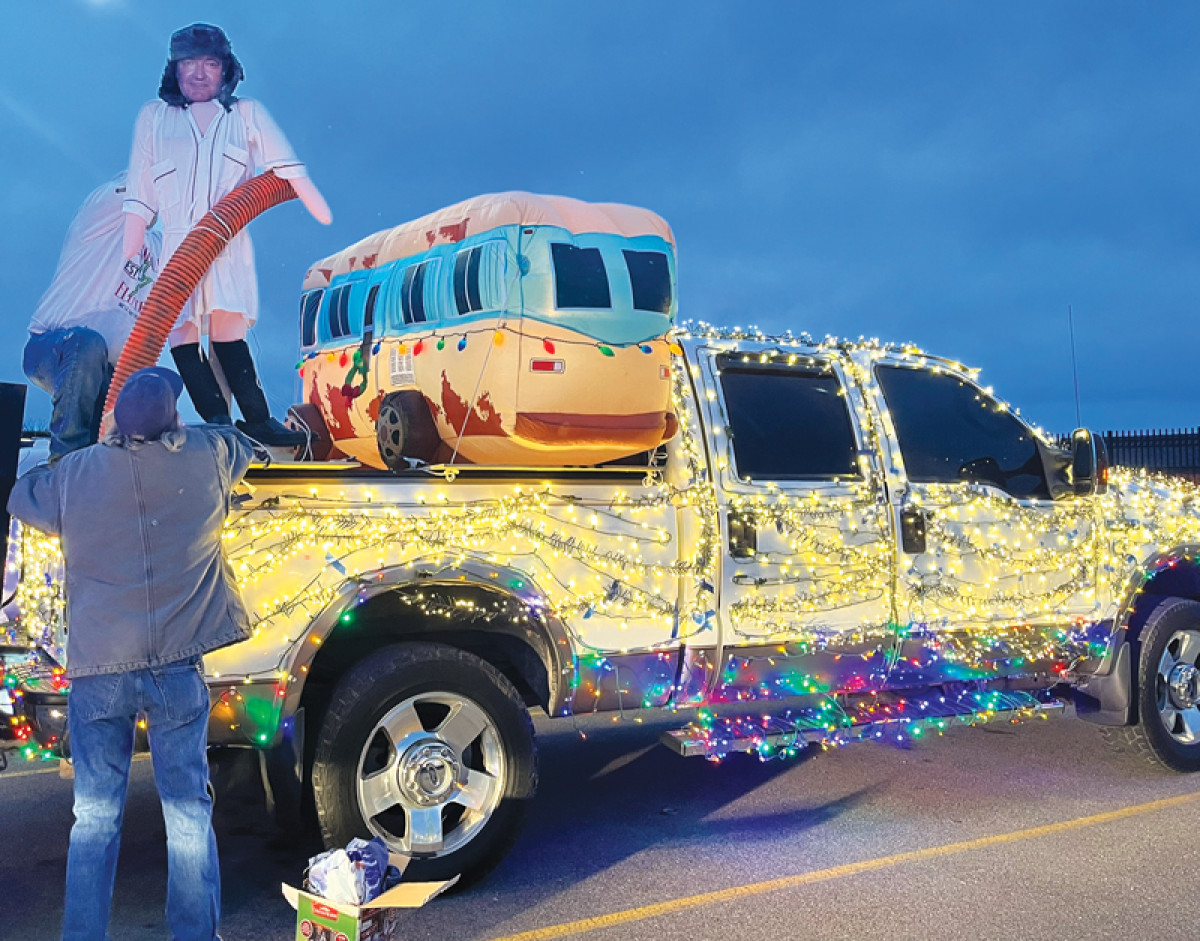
(510, 329)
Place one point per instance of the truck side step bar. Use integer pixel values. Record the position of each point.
(830, 723)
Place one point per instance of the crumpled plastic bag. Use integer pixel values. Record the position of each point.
(331, 875)
(370, 858)
(353, 876)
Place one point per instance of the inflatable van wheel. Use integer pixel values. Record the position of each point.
(308, 418)
(406, 429)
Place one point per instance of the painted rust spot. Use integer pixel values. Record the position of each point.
(484, 420)
(456, 232)
(373, 406)
(451, 233)
(335, 408)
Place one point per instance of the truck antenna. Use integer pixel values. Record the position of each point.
(1074, 367)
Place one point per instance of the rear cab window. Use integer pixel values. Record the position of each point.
(787, 422)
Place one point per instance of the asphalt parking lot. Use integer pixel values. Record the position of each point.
(1000, 831)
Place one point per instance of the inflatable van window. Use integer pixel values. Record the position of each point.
(510, 329)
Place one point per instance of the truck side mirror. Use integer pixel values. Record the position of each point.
(1089, 463)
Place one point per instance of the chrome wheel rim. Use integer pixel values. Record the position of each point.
(1177, 687)
(431, 774)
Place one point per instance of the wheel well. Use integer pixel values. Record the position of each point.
(489, 624)
(1174, 579)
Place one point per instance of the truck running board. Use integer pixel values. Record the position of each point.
(868, 718)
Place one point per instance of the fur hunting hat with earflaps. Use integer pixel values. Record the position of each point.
(192, 42)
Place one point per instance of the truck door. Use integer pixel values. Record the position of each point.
(806, 535)
(991, 538)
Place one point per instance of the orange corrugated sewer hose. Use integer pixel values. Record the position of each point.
(186, 267)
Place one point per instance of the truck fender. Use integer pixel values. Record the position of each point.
(546, 633)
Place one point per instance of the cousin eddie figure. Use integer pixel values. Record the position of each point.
(191, 148)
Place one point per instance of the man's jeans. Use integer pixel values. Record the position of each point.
(103, 712)
(72, 365)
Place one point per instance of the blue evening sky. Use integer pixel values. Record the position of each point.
(954, 174)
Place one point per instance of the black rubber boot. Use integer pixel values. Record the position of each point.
(258, 424)
(201, 384)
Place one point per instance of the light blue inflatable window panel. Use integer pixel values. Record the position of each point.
(341, 313)
(369, 311)
(337, 319)
(580, 278)
(418, 294)
(310, 306)
(480, 277)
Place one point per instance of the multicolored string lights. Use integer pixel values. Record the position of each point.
(636, 566)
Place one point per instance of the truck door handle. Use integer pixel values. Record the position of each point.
(912, 530)
(743, 537)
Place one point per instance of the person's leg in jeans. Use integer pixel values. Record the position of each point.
(176, 704)
(72, 365)
(102, 712)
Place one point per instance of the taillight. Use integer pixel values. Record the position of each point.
(548, 365)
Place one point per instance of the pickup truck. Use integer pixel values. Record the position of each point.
(843, 541)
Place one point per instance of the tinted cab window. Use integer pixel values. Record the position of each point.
(788, 423)
(950, 431)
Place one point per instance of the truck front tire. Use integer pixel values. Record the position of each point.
(1167, 733)
(432, 749)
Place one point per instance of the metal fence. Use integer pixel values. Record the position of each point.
(1170, 452)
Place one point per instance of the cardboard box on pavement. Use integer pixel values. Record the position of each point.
(318, 919)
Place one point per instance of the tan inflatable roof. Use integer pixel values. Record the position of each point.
(479, 214)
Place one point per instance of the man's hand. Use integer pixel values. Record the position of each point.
(313, 201)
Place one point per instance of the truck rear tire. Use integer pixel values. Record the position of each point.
(1167, 734)
(432, 749)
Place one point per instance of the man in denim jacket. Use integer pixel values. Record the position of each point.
(148, 593)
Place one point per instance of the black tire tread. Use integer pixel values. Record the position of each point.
(1129, 743)
(376, 668)
(1132, 742)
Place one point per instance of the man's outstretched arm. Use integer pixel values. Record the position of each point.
(35, 502)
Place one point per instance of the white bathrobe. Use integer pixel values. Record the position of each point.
(94, 286)
(178, 174)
